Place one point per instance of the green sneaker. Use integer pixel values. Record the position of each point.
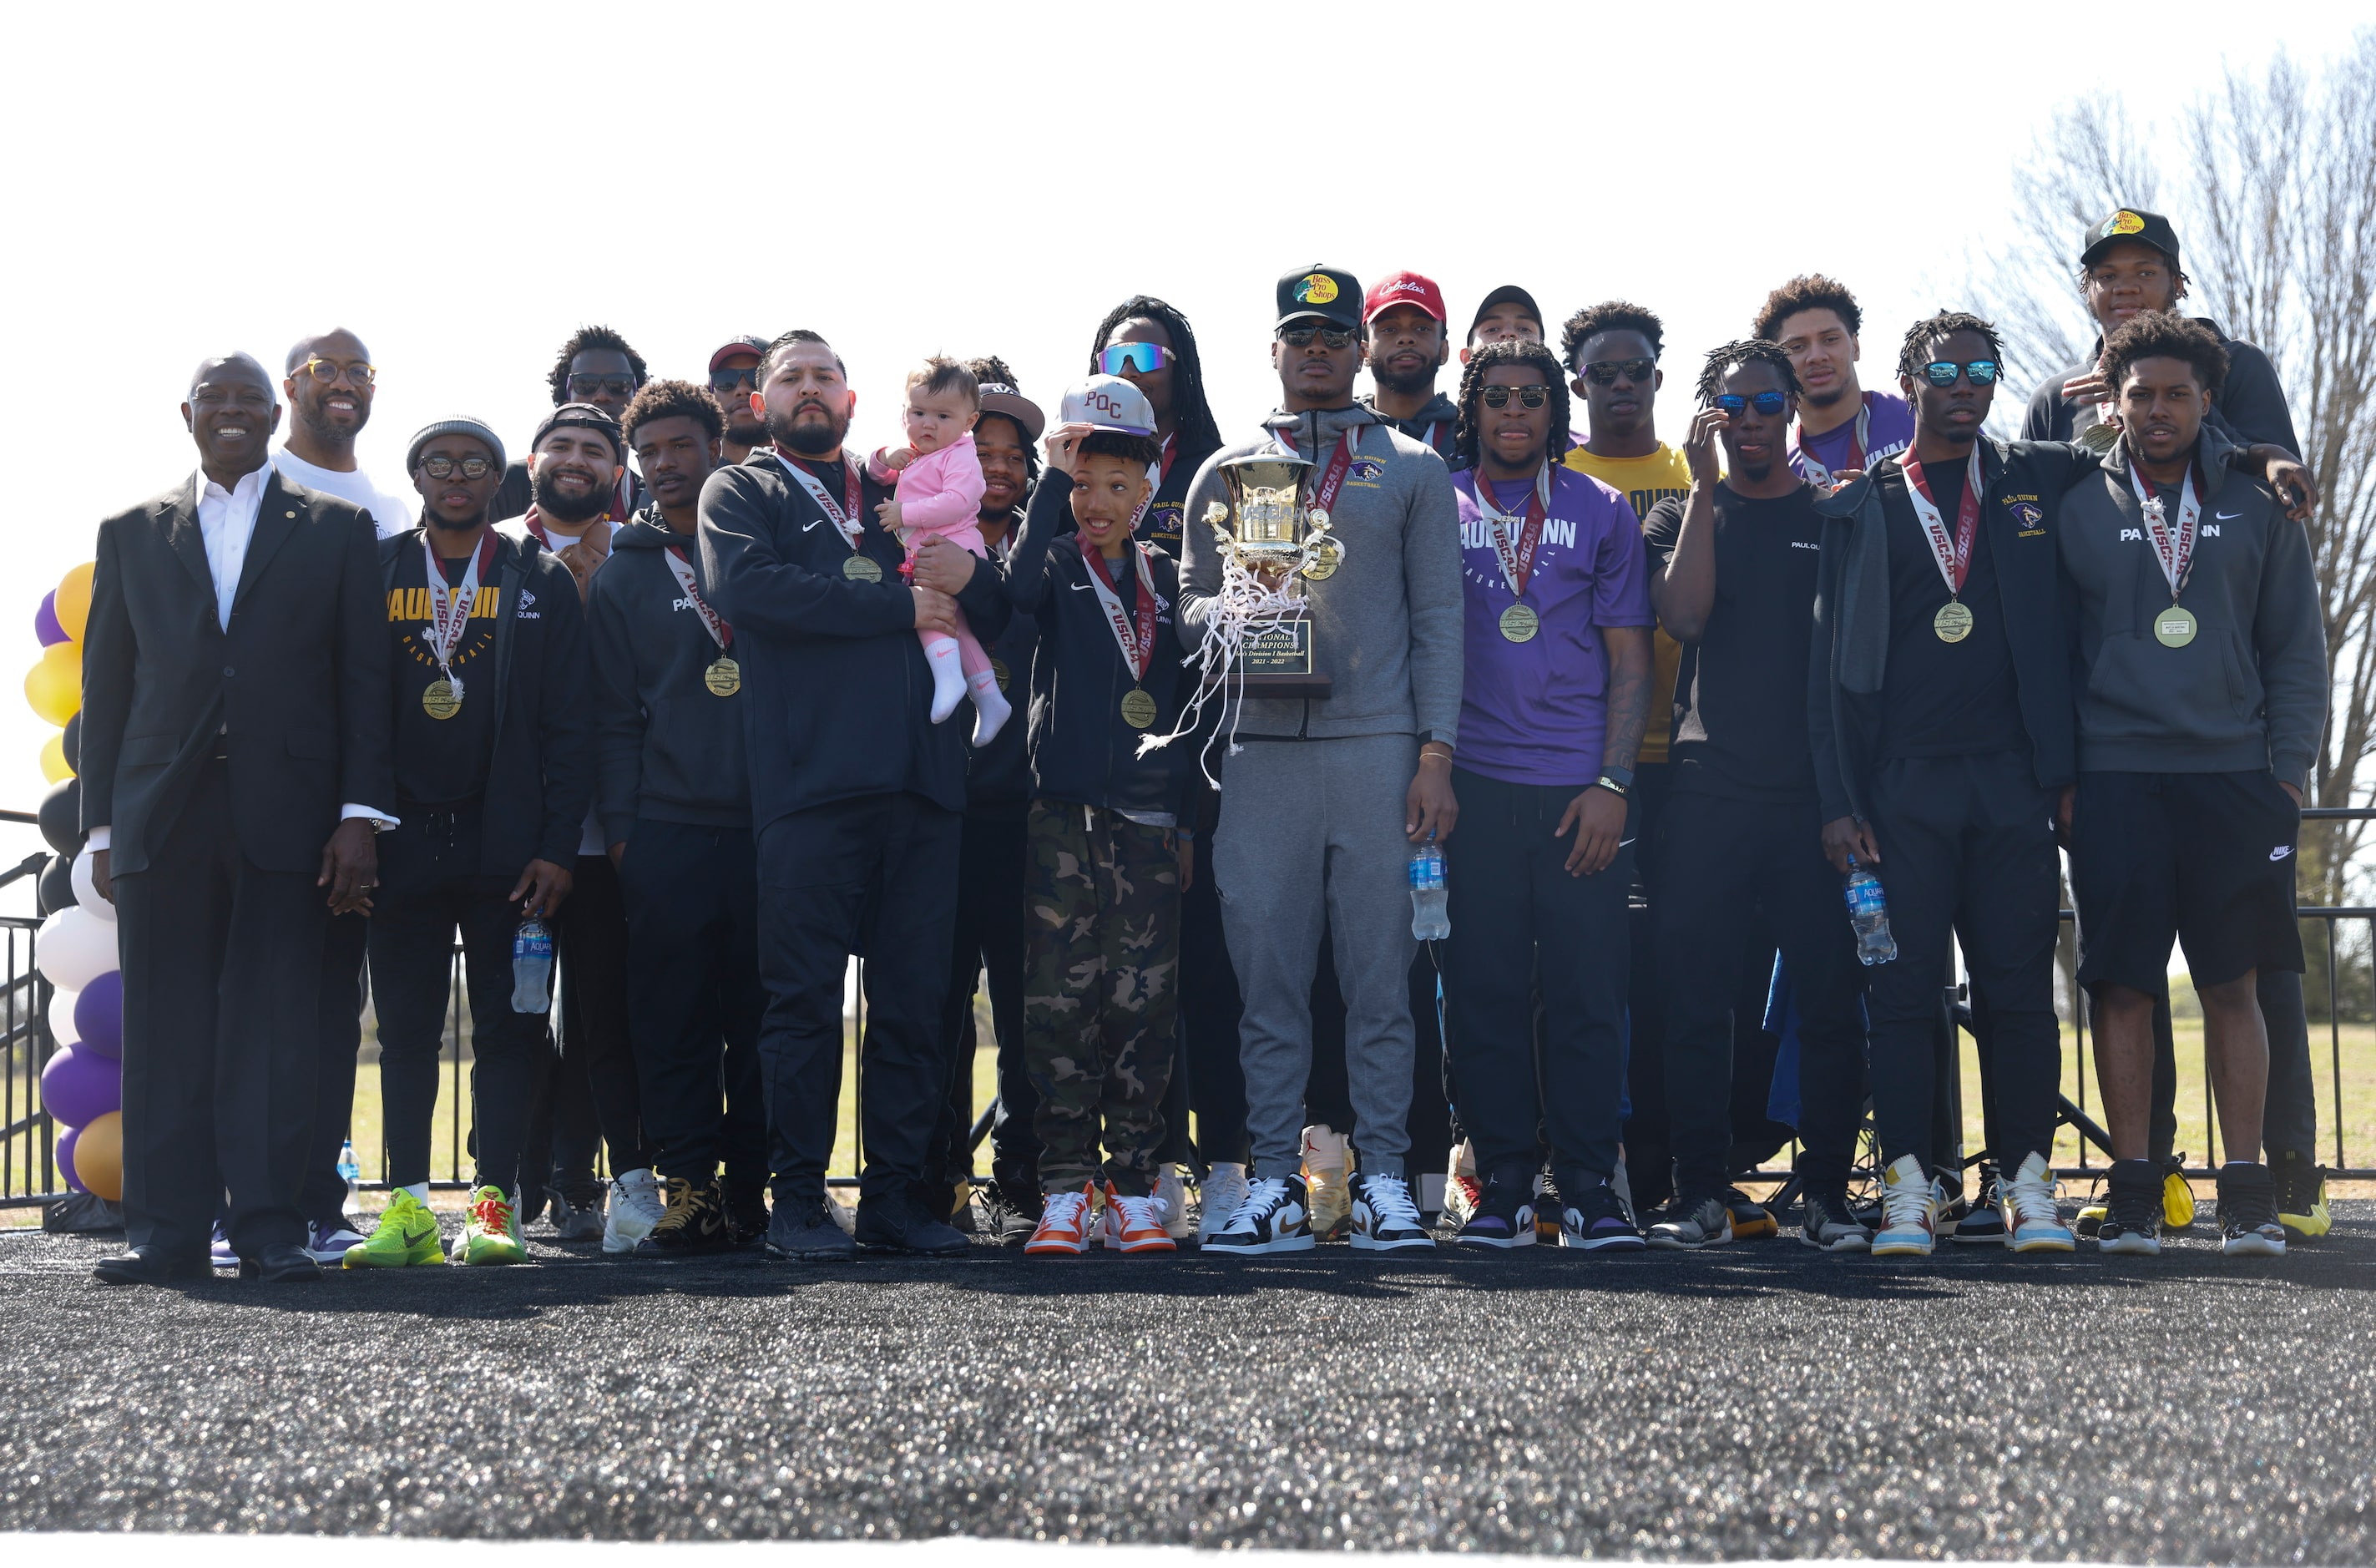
(405, 1234)
(490, 1230)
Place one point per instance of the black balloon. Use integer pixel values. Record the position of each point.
(72, 743)
(55, 890)
(62, 817)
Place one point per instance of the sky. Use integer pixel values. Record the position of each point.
(464, 186)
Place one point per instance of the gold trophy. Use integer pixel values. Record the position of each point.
(1268, 531)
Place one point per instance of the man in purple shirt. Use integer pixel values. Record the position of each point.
(1842, 429)
(1555, 690)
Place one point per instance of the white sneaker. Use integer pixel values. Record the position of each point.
(1384, 1218)
(1947, 1204)
(1222, 1195)
(1327, 1179)
(1462, 1190)
(636, 1206)
(330, 1246)
(1909, 1211)
(2033, 1221)
(1171, 1192)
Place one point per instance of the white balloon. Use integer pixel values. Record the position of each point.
(87, 893)
(62, 1023)
(75, 947)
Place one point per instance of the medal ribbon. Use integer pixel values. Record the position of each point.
(1163, 472)
(449, 609)
(1953, 553)
(681, 570)
(844, 517)
(1518, 557)
(1324, 495)
(1813, 466)
(1135, 635)
(2175, 553)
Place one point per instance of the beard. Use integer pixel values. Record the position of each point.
(320, 426)
(1416, 381)
(808, 439)
(563, 508)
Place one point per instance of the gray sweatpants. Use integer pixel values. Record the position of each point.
(1305, 821)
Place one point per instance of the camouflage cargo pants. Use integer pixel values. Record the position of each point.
(1102, 896)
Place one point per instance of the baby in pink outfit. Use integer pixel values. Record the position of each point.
(940, 497)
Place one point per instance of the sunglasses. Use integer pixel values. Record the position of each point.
(1767, 402)
(1121, 358)
(1606, 371)
(1300, 337)
(727, 380)
(320, 369)
(443, 468)
(1533, 396)
(1942, 373)
(582, 386)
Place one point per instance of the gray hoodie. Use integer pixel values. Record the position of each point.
(1385, 624)
(2250, 691)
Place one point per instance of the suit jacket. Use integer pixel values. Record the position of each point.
(297, 684)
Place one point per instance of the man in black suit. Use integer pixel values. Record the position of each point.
(235, 764)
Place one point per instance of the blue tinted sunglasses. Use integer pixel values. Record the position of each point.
(1768, 402)
(1120, 359)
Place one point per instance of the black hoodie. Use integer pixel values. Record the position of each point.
(1431, 426)
(666, 746)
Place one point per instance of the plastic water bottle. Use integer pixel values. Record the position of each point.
(1869, 912)
(1430, 921)
(532, 968)
(348, 1172)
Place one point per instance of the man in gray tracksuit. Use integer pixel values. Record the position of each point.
(1324, 799)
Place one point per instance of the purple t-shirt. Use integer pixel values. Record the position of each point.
(1534, 712)
(1889, 430)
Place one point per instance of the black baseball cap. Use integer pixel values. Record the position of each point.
(1329, 295)
(2128, 223)
(1506, 294)
(582, 416)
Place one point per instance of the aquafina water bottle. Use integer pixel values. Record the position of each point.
(1868, 913)
(532, 968)
(1430, 920)
(348, 1172)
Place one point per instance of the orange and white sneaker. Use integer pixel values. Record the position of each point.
(1135, 1225)
(1066, 1220)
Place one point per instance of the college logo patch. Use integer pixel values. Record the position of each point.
(2029, 516)
(1315, 289)
(2121, 222)
(1365, 471)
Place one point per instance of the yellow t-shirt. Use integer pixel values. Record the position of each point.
(1646, 481)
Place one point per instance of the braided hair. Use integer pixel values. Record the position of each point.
(1725, 358)
(990, 370)
(1466, 434)
(1189, 411)
(579, 341)
(1915, 354)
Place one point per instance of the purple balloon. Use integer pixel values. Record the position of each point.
(45, 621)
(62, 1152)
(78, 1087)
(99, 1015)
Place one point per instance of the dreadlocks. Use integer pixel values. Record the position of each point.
(1916, 352)
(1466, 437)
(1189, 412)
(991, 371)
(583, 338)
(1724, 359)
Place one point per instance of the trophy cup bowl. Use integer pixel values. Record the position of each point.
(1268, 529)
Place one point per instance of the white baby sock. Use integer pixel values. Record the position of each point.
(990, 709)
(948, 678)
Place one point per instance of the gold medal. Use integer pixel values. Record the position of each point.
(1326, 553)
(860, 569)
(1953, 622)
(998, 668)
(1519, 623)
(439, 701)
(724, 677)
(2174, 627)
(1138, 707)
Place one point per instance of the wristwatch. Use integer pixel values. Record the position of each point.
(1616, 779)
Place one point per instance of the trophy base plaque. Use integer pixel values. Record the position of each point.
(1277, 663)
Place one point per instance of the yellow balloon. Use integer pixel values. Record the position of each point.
(73, 603)
(99, 1156)
(54, 759)
(54, 685)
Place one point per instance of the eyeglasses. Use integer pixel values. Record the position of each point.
(1121, 358)
(727, 380)
(1606, 371)
(584, 387)
(1300, 337)
(443, 468)
(1533, 396)
(1942, 373)
(320, 369)
(1768, 402)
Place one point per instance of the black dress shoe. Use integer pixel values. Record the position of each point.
(281, 1262)
(144, 1266)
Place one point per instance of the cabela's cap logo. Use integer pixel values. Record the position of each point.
(1317, 289)
(2121, 223)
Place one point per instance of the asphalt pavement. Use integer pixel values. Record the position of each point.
(1760, 1400)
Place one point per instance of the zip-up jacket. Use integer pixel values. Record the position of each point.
(837, 693)
(540, 775)
(666, 746)
(1431, 427)
(1385, 624)
(2248, 691)
(998, 776)
(1082, 751)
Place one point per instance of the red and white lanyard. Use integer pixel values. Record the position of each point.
(1162, 472)
(681, 570)
(1324, 495)
(1952, 551)
(1811, 467)
(844, 517)
(1134, 634)
(1514, 540)
(450, 607)
(2175, 551)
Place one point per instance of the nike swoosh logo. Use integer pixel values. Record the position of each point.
(1078, 588)
(2226, 516)
(805, 527)
(2281, 851)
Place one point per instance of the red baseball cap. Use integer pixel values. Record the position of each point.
(1402, 289)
